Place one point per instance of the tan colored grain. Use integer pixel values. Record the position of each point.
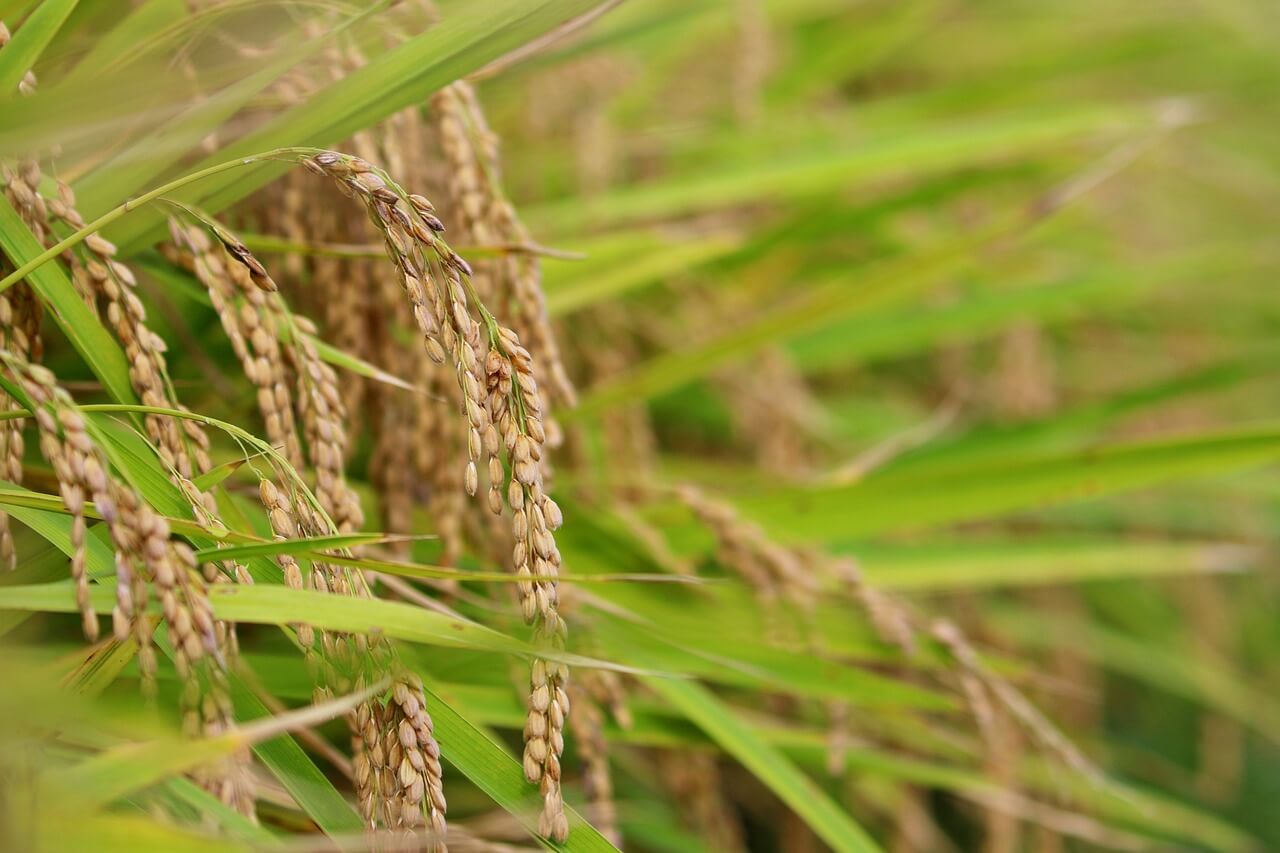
(512, 283)
(769, 568)
(147, 562)
(503, 416)
(240, 307)
(182, 445)
(19, 330)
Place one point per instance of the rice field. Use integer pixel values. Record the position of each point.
(584, 425)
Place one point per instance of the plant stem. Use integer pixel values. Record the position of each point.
(134, 203)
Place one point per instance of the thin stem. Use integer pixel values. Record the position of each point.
(240, 435)
(146, 198)
(270, 244)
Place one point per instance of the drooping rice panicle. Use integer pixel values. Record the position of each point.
(502, 408)
(274, 345)
(239, 303)
(182, 444)
(769, 568)
(396, 767)
(512, 282)
(147, 562)
(973, 672)
(19, 315)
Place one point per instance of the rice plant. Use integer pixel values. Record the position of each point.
(725, 425)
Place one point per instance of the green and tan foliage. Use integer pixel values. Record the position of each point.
(716, 425)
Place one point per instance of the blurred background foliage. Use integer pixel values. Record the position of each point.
(978, 294)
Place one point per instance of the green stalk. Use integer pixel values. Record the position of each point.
(144, 199)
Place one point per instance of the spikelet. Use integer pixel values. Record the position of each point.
(147, 562)
(323, 418)
(502, 410)
(20, 335)
(182, 444)
(770, 568)
(890, 618)
(511, 283)
(442, 440)
(241, 310)
(27, 85)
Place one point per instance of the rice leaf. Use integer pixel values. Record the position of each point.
(29, 42)
(831, 823)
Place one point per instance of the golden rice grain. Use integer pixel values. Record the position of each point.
(182, 445)
(147, 561)
(513, 280)
(502, 411)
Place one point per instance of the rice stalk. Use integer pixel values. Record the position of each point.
(511, 283)
(396, 766)
(503, 411)
(19, 319)
(148, 561)
(20, 335)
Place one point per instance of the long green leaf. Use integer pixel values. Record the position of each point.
(919, 497)
(831, 823)
(77, 322)
(309, 787)
(278, 605)
(20, 54)
(961, 565)
(823, 304)
(150, 156)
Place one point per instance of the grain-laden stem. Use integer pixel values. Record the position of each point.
(270, 244)
(240, 434)
(289, 154)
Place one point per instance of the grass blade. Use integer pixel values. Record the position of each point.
(831, 823)
(495, 772)
(29, 42)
